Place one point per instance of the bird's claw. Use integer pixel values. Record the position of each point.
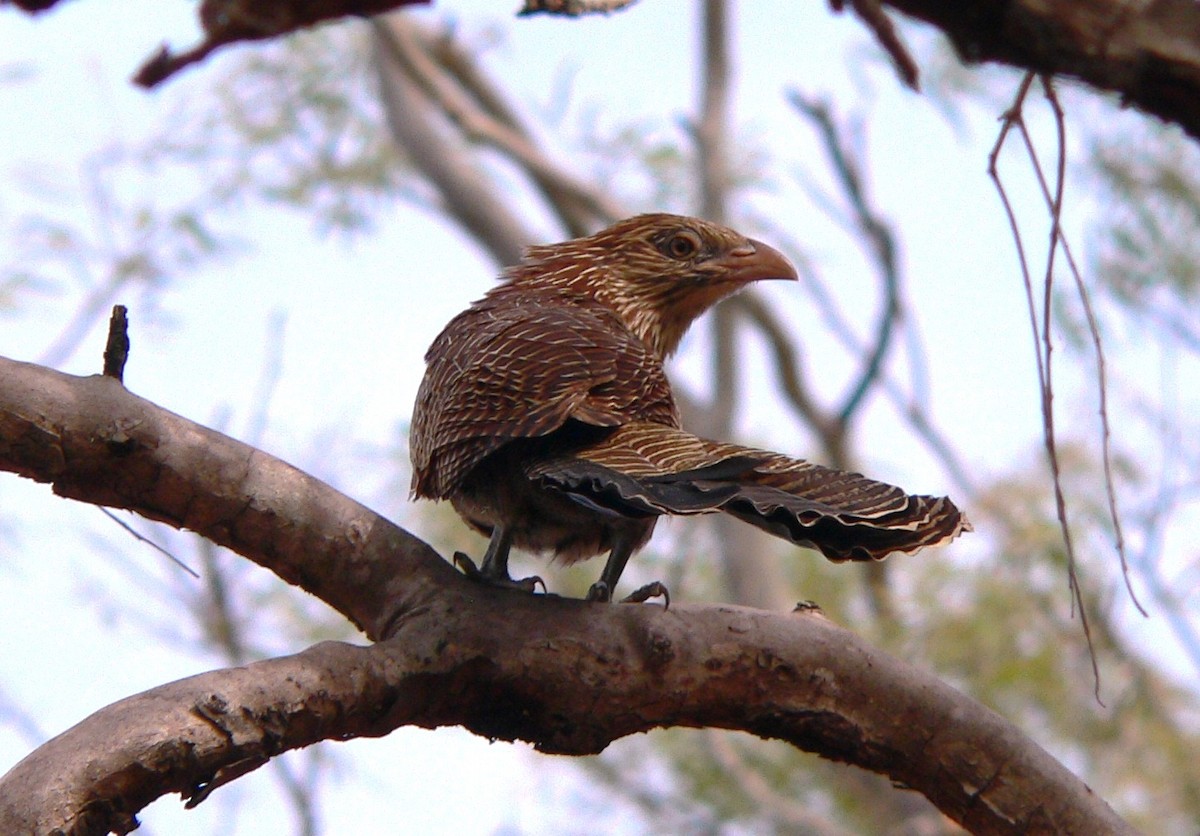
(600, 592)
(529, 584)
(654, 589)
(467, 566)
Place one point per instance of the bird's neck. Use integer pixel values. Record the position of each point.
(641, 314)
(645, 319)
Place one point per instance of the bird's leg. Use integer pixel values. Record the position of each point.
(602, 590)
(495, 559)
(495, 564)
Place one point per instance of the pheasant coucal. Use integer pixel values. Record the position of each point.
(546, 418)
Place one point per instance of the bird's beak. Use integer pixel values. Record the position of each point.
(755, 261)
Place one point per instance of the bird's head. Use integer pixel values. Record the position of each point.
(658, 272)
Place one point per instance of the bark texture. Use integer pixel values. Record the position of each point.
(1146, 51)
(566, 675)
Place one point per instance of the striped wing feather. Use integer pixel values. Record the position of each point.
(519, 366)
(646, 469)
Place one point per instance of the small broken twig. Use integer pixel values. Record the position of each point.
(116, 350)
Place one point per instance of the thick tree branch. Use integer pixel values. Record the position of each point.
(569, 676)
(1146, 51)
(96, 442)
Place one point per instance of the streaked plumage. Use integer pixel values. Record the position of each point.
(546, 418)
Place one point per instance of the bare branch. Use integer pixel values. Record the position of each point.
(871, 13)
(1148, 52)
(520, 667)
(417, 126)
(490, 121)
(230, 21)
(711, 134)
(574, 8)
(32, 6)
(1042, 336)
(1059, 239)
(89, 310)
(878, 235)
(579, 207)
(133, 532)
(712, 126)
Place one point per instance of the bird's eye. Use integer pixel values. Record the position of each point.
(683, 244)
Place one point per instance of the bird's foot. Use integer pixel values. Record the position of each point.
(467, 566)
(654, 589)
(599, 591)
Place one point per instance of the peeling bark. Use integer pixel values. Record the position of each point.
(568, 676)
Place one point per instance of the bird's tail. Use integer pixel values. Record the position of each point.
(649, 470)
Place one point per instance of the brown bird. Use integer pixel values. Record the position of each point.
(546, 418)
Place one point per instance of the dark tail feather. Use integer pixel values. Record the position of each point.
(648, 470)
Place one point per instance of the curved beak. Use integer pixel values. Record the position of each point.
(755, 261)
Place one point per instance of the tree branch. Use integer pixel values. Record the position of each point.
(230, 21)
(442, 157)
(95, 441)
(1148, 52)
(574, 8)
(877, 240)
(569, 676)
(871, 13)
(579, 206)
(478, 113)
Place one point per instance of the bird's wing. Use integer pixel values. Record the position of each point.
(646, 470)
(522, 370)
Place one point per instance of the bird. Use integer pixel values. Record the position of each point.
(546, 418)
